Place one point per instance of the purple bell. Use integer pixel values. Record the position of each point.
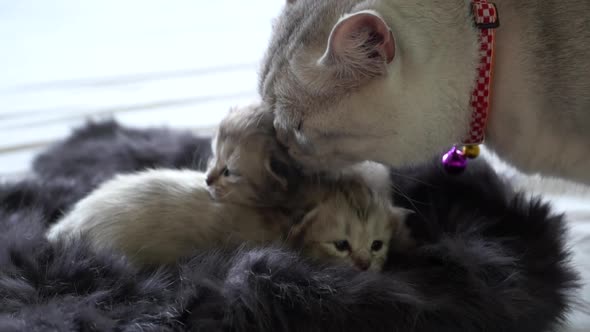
(454, 161)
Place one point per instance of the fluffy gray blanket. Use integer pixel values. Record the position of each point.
(489, 259)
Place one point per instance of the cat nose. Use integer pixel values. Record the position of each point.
(209, 180)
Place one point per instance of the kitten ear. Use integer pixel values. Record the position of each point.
(300, 226)
(403, 233)
(360, 41)
(278, 170)
(399, 214)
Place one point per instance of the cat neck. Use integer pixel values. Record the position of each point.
(520, 118)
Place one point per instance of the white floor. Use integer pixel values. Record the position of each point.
(179, 63)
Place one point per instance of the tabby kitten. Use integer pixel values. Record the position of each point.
(351, 224)
(248, 165)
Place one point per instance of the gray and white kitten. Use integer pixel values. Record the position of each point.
(390, 81)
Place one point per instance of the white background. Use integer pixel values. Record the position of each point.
(180, 63)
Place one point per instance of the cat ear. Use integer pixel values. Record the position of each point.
(279, 171)
(358, 40)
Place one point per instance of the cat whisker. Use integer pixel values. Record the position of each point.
(412, 178)
(409, 199)
(404, 195)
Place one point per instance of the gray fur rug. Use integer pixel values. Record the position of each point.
(489, 259)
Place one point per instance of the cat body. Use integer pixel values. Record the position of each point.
(391, 81)
(158, 216)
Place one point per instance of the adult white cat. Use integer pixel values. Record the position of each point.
(391, 81)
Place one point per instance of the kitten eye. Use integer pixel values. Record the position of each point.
(299, 125)
(342, 245)
(377, 245)
(225, 171)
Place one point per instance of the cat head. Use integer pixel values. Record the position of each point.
(354, 80)
(248, 165)
(351, 225)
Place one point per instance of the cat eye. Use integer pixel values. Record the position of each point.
(377, 245)
(342, 245)
(225, 171)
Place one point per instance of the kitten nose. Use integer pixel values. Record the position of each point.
(362, 265)
(209, 180)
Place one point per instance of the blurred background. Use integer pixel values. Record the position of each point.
(179, 63)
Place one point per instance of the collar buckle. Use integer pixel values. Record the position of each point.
(485, 15)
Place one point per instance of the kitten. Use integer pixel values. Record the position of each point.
(391, 81)
(351, 224)
(248, 165)
(157, 216)
(243, 169)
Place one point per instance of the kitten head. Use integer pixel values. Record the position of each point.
(352, 80)
(248, 165)
(350, 224)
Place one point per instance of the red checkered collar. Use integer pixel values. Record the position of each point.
(486, 19)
